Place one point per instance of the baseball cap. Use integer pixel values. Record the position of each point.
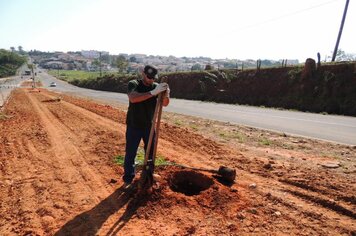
(151, 71)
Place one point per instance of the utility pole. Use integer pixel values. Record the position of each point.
(31, 67)
(100, 62)
(340, 30)
(33, 77)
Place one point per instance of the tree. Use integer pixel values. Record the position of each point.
(7, 57)
(196, 67)
(133, 59)
(105, 58)
(20, 49)
(9, 62)
(343, 56)
(96, 63)
(121, 63)
(12, 49)
(209, 67)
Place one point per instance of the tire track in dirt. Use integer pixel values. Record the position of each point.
(328, 204)
(23, 181)
(335, 192)
(93, 134)
(65, 151)
(77, 182)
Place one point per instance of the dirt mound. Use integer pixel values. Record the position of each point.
(58, 177)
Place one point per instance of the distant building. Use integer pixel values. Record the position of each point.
(93, 53)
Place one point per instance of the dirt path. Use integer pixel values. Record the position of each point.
(57, 176)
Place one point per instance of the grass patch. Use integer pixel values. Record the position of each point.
(178, 122)
(69, 75)
(288, 146)
(223, 135)
(240, 137)
(232, 135)
(159, 161)
(194, 127)
(265, 141)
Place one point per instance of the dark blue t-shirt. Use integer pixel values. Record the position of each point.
(140, 114)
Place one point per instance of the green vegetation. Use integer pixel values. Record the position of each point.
(235, 135)
(159, 161)
(121, 64)
(239, 136)
(287, 146)
(178, 122)
(194, 127)
(265, 141)
(9, 62)
(70, 75)
(87, 79)
(295, 73)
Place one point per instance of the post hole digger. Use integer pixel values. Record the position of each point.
(224, 173)
(146, 178)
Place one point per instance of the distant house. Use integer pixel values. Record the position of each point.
(93, 53)
(53, 65)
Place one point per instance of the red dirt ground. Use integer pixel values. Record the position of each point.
(58, 177)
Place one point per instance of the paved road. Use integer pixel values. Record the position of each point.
(9, 83)
(339, 129)
(6, 86)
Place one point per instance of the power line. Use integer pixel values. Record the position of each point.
(286, 15)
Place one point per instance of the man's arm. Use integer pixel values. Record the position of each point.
(135, 97)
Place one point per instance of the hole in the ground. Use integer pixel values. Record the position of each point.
(189, 182)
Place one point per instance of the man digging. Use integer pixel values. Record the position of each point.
(143, 97)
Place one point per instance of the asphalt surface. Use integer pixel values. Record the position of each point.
(9, 83)
(6, 86)
(333, 128)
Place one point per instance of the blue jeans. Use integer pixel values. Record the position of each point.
(133, 138)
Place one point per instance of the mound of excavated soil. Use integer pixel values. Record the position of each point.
(58, 177)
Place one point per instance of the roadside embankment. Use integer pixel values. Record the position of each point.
(329, 88)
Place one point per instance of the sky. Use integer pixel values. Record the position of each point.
(219, 29)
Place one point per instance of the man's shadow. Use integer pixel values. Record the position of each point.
(90, 222)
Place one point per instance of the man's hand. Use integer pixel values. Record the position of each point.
(159, 89)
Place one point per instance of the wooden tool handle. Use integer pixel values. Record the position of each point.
(155, 127)
(152, 131)
(158, 122)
